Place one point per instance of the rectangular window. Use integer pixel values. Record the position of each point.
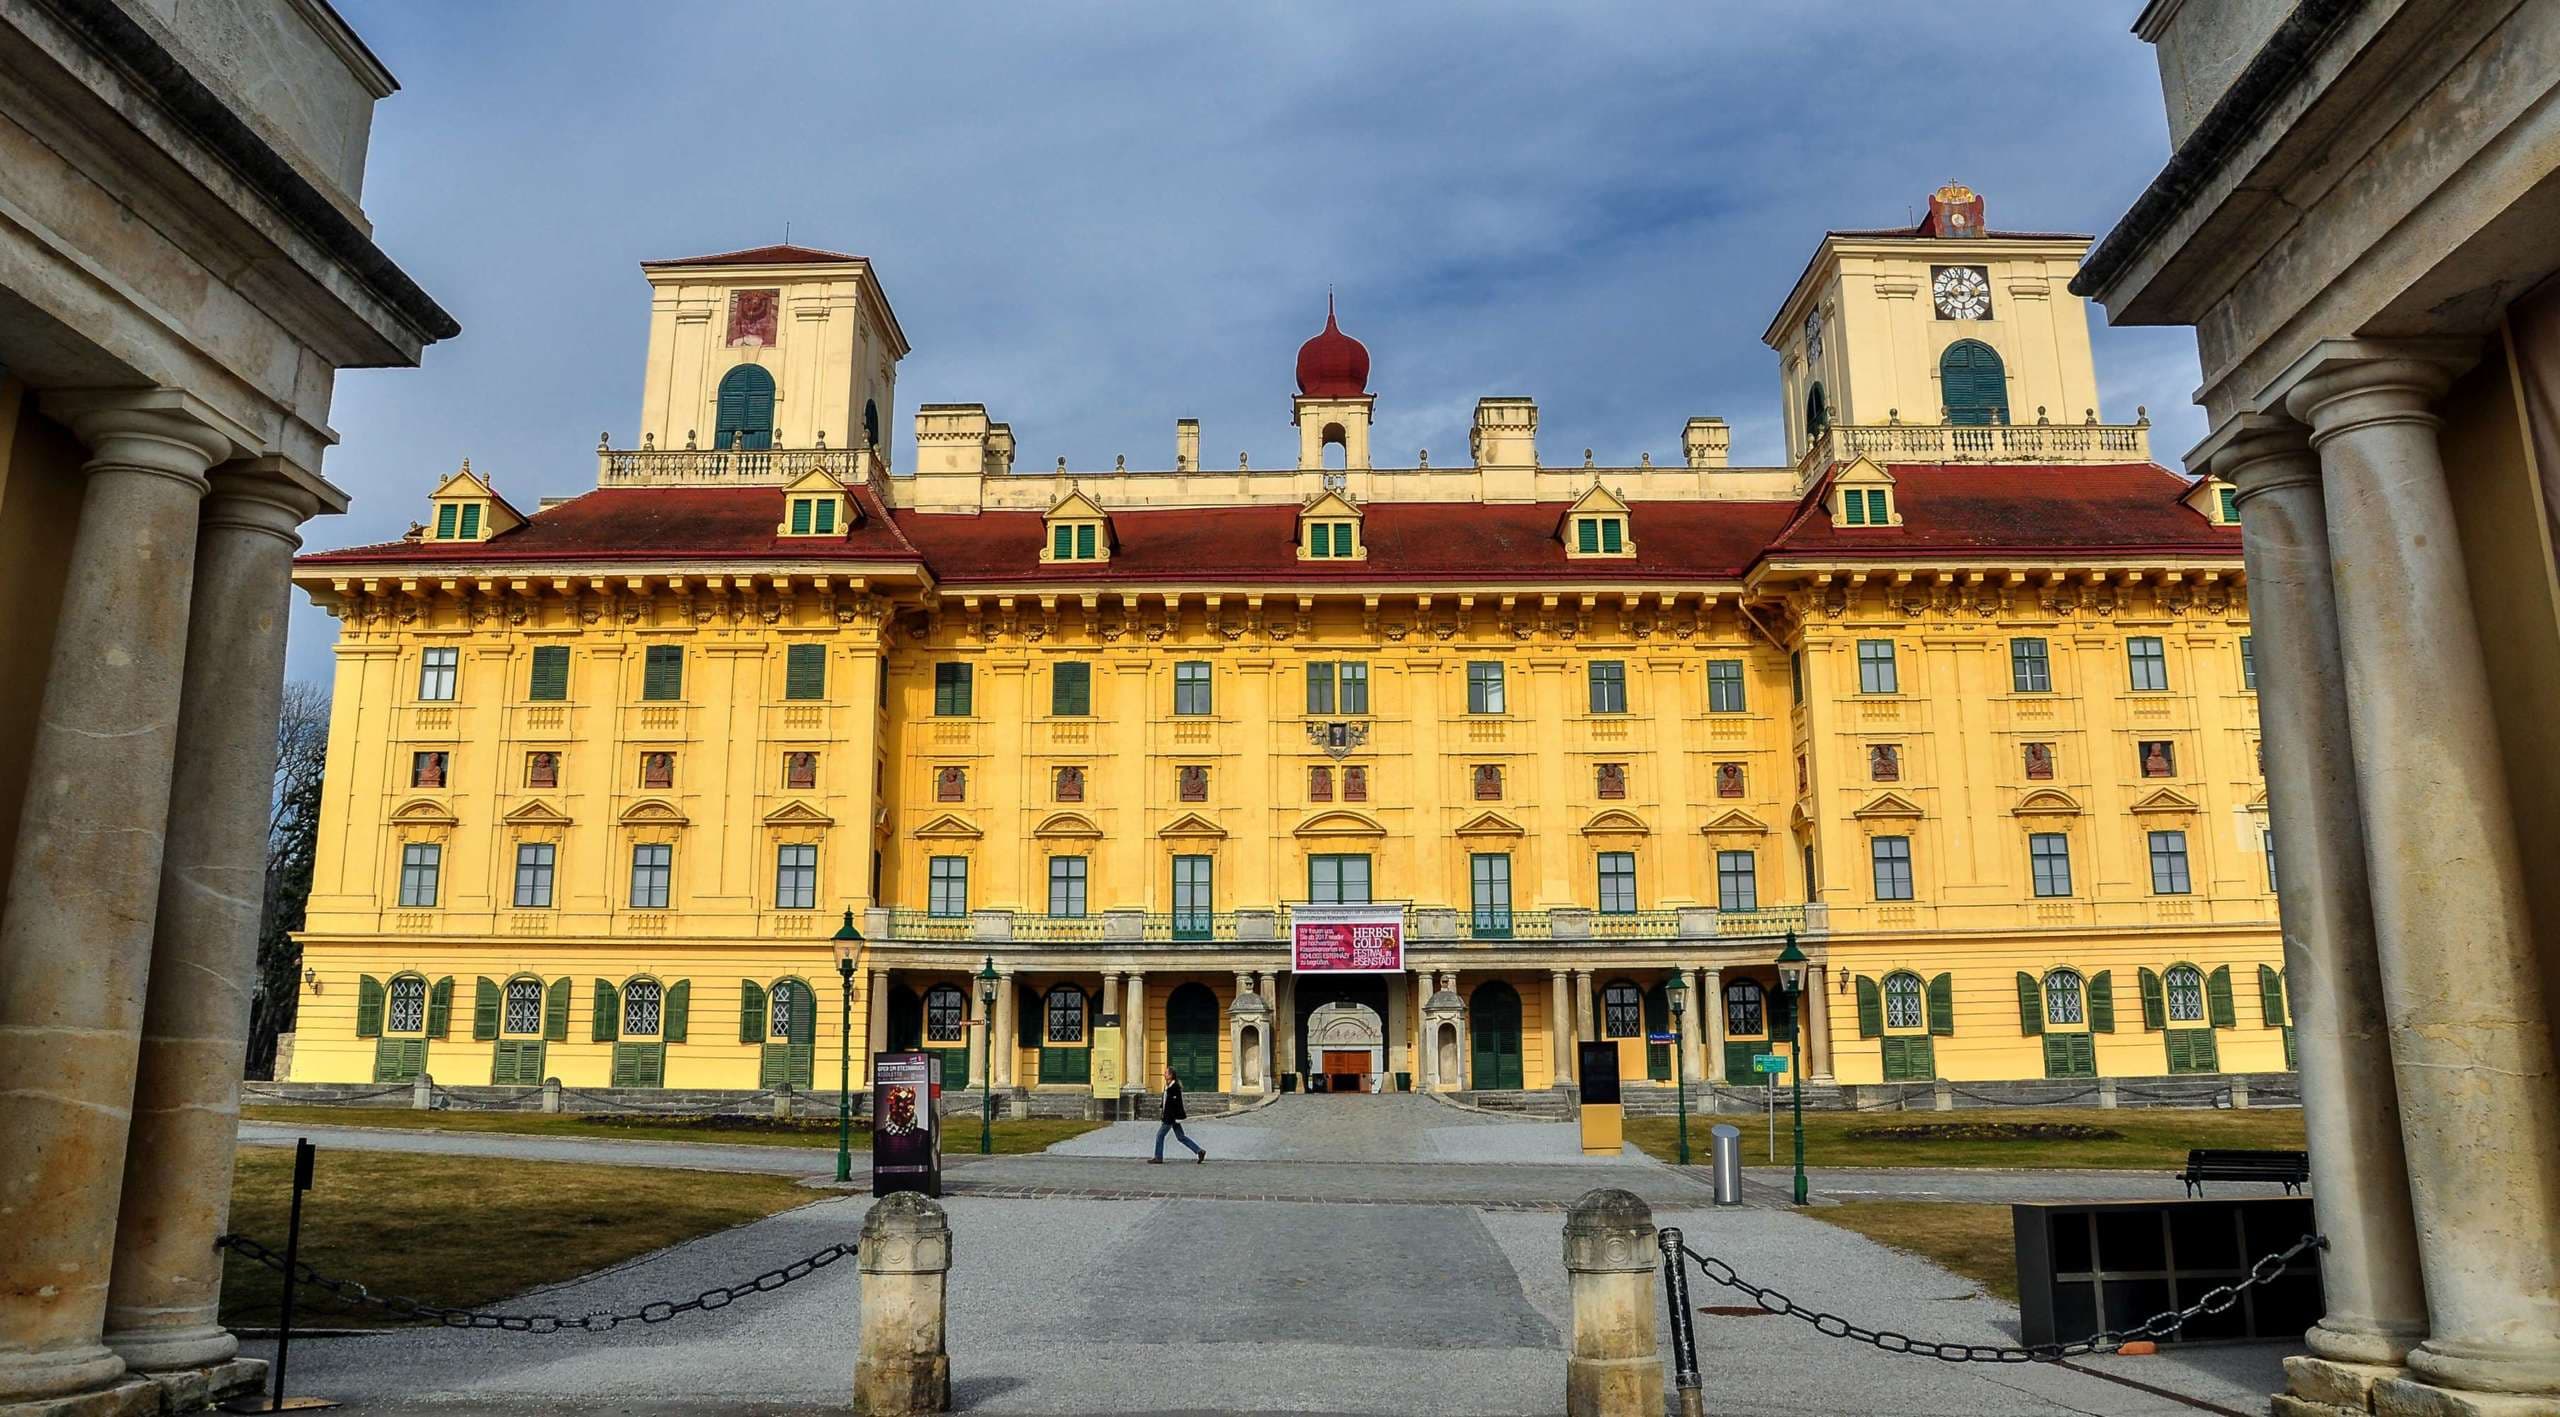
(799, 516)
(533, 874)
(1586, 535)
(445, 521)
(1066, 886)
(1338, 880)
(1355, 686)
(419, 865)
(1062, 543)
(428, 769)
(948, 886)
(2268, 840)
(1892, 856)
(2248, 664)
(2230, 500)
(470, 520)
(1491, 873)
(1191, 686)
(2169, 863)
(1613, 535)
(795, 878)
(804, 672)
(1320, 696)
(662, 672)
(1320, 540)
(2029, 671)
(1608, 686)
(1084, 542)
(2049, 856)
(826, 510)
(1854, 504)
(1194, 902)
(1876, 674)
(550, 683)
(2147, 659)
(1724, 686)
(1484, 686)
(1617, 882)
(1737, 880)
(652, 866)
(1071, 689)
(951, 684)
(1795, 675)
(436, 668)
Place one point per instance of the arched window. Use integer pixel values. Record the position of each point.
(946, 1012)
(2185, 985)
(1972, 383)
(1744, 1008)
(408, 1010)
(1065, 1010)
(782, 1015)
(746, 409)
(2064, 993)
(523, 1016)
(870, 423)
(1902, 1006)
(1621, 1010)
(1817, 414)
(641, 1008)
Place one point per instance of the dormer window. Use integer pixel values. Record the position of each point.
(1077, 542)
(814, 505)
(1599, 523)
(1864, 507)
(458, 521)
(1862, 496)
(1329, 541)
(467, 508)
(1078, 532)
(2215, 500)
(1600, 536)
(1329, 529)
(813, 516)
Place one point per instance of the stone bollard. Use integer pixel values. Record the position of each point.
(901, 1368)
(422, 1093)
(782, 1103)
(1942, 1095)
(2240, 1094)
(2107, 1093)
(551, 1094)
(1614, 1368)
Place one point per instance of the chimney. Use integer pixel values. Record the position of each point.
(1707, 442)
(1505, 443)
(951, 457)
(1186, 445)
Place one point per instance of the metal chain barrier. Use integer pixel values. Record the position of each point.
(656, 1312)
(728, 1108)
(2158, 1326)
(341, 1099)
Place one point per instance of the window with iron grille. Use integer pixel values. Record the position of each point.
(1892, 857)
(1608, 686)
(533, 874)
(1617, 882)
(951, 690)
(2065, 995)
(1737, 880)
(1902, 1003)
(641, 1008)
(1876, 672)
(2049, 857)
(1621, 1010)
(408, 1007)
(652, 867)
(419, 864)
(2147, 661)
(1745, 1008)
(946, 1014)
(781, 1019)
(1066, 886)
(1484, 686)
(2169, 863)
(2184, 984)
(436, 670)
(947, 886)
(1066, 1014)
(523, 1014)
(1724, 686)
(795, 878)
(1191, 687)
(2029, 671)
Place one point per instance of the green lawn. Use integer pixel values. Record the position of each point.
(469, 1230)
(1975, 1241)
(2143, 1138)
(960, 1134)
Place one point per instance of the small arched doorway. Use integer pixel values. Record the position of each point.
(906, 1020)
(745, 410)
(1191, 1037)
(1973, 383)
(1348, 1043)
(1493, 1018)
(791, 1035)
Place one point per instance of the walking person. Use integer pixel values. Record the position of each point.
(1173, 1115)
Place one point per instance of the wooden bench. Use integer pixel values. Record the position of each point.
(2205, 1163)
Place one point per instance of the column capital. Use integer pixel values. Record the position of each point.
(156, 430)
(2340, 384)
(2258, 452)
(248, 497)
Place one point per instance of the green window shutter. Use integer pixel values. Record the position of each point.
(1062, 542)
(470, 521)
(1854, 505)
(671, 1023)
(1319, 540)
(1876, 514)
(826, 511)
(804, 672)
(1942, 1005)
(750, 1011)
(2057, 1054)
(2155, 1005)
(555, 1011)
(2217, 999)
(626, 1065)
(663, 674)
(399, 1059)
(2102, 1001)
(2270, 997)
(1586, 531)
(2208, 1051)
(484, 1009)
(444, 521)
(2288, 1048)
(550, 673)
(1612, 536)
(773, 1067)
(799, 516)
(2174, 1046)
(653, 1065)
(607, 1026)
(368, 1007)
(2030, 1008)
(440, 1008)
(1084, 543)
(1870, 1008)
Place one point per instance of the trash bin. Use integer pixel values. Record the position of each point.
(1404, 1082)
(1728, 1163)
(1288, 1082)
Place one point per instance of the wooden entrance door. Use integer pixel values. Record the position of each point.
(1191, 1038)
(1346, 1071)
(1493, 1022)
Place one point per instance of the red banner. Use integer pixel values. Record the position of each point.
(1347, 939)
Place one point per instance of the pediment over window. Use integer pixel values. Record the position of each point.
(424, 813)
(1330, 529)
(1616, 823)
(797, 814)
(2046, 801)
(1738, 821)
(815, 505)
(1490, 824)
(948, 828)
(1193, 826)
(2166, 800)
(1799, 821)
(467, 507)
(1343, 824)
(1862, 495)
(1599, 523)
(1074, 530)
(1889, 804)
(536, 813)
(1058, 824)
(652, 811)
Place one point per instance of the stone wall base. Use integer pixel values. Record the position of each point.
(2320, 1387)
(153, 1394)
(2407, 1397)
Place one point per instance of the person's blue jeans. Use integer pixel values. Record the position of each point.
(1178, 1135)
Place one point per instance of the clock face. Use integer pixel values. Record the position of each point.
(1962, 293)
(1812, 335)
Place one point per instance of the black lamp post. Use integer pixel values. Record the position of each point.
(1678, 993)
(1791, 962)
(847, 940)
(987, 1025)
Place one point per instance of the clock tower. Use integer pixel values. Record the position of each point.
(1946, 321)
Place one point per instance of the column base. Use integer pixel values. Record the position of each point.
(2365, 1347)
(188, 1390)
(25, 1376)
(2408, 1397)
(160, 1351)
(2464, 1368)
(2318, 1387)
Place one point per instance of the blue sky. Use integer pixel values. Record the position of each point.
(1097, 218)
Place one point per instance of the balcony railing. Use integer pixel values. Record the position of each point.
(1635, 924)
(1768, 920)
(1996, 442)
(906, 924)
(652, 466)
(1423, 924)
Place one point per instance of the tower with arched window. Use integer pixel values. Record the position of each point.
(776, 346)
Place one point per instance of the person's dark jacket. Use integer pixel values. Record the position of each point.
(1173, 1110)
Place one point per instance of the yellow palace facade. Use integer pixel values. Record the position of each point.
(643, 787)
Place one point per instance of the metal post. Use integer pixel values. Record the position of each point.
(1680, 1081)
(844, 1079)
(1795, 1070)
(1725, 1148)
(303, 1156)
(987, 1021)
(1684, 1321)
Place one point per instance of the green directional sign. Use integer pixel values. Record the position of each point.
(1768, 1062)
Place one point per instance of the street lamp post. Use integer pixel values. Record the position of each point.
(847, 940)
(1791, 962)
(1678, 993)
(987, 1022)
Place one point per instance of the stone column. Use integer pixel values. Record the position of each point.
(1007, 1029)
(1690, 1067)
(2350, 1104)
(2470, 1029)
(1711, 1019)
(1817, 1022)
(1404, 1010)
(1560, 1028)
(1425, 1047)
(901, 1367)
(977, 1035)
(1133, 1036)
(1614, 1366)
(166, 1286)
(1585, 1023)
(75, 948)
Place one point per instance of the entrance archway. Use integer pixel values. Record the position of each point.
(1348, 1044)
(1493, 1018)
(1191, 1037)
(906, 1020)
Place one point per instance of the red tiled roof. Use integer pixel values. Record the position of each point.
(1988, 508)
(762, 256)
(654, 524)
(1925, 232)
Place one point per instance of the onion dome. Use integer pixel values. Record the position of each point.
(1333, 365)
